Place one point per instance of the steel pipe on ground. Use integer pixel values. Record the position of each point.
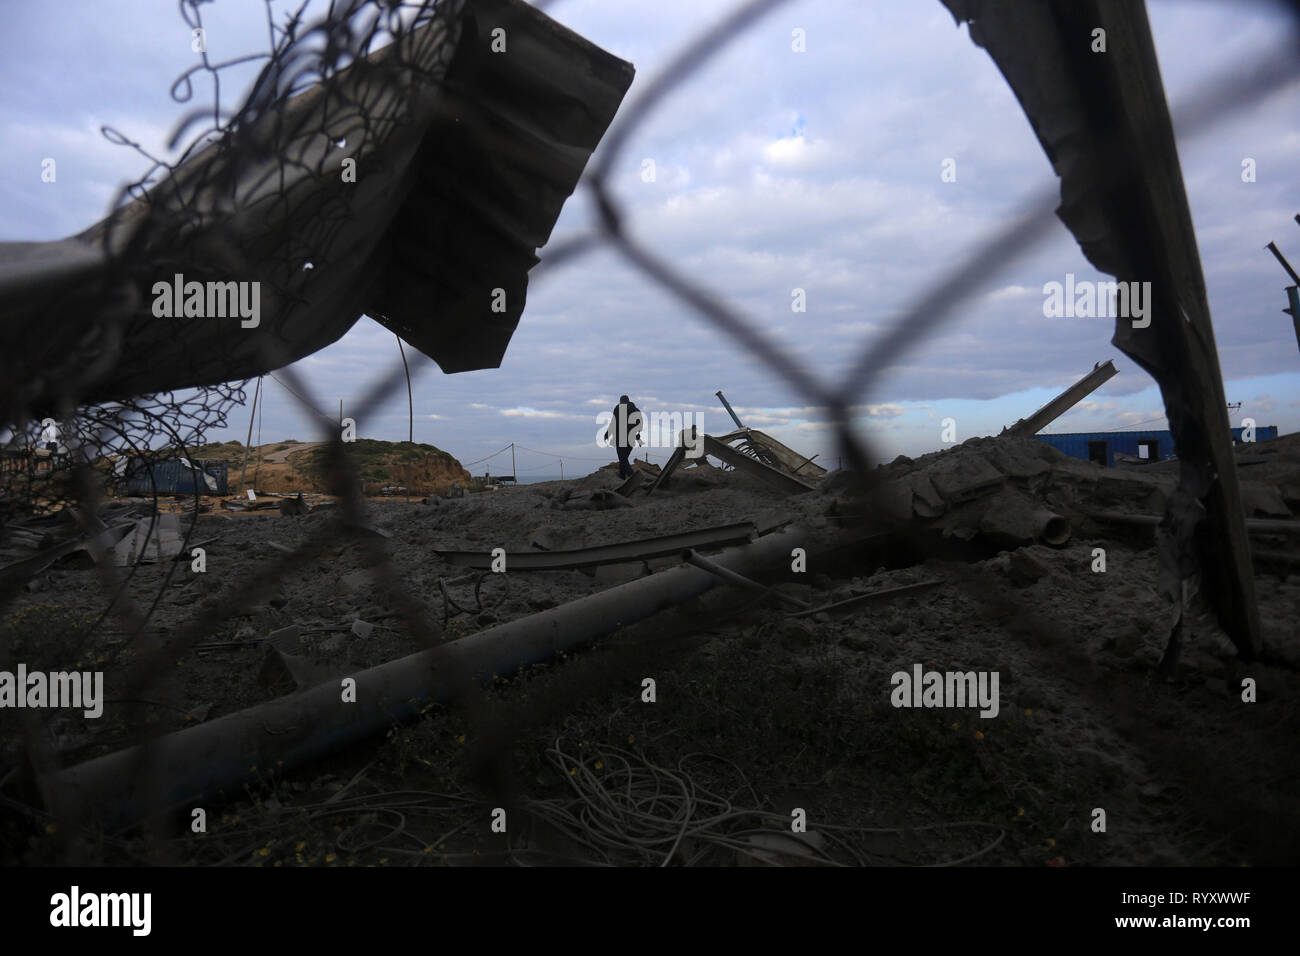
(1253, 525)
(1016, 519)
(217, 759)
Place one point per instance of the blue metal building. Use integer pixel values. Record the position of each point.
(1102, 447)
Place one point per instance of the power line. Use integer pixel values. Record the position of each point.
(1149, 421)
(297, 396)
(493, 455)
(553, 455)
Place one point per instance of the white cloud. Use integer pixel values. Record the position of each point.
(1010, 292)
(537, 413)
(795, 152)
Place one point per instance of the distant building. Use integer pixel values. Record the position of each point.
(14, 461)
(1137, 447)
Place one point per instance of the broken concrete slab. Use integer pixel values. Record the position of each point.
(894, 500)
(1020, 459)
(599, 501)
(150, 539)
(963, 477)
(634, 482)
(290, 666)
(1026, 568)
(1262, 500)
(926, 500)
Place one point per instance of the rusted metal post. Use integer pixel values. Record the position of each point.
(1104, 122)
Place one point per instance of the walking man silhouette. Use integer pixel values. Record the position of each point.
(624, 432)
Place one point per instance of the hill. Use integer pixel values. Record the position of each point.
(291, 465)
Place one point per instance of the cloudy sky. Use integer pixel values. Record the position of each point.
(775, 170)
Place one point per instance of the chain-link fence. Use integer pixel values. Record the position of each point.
(258, 193)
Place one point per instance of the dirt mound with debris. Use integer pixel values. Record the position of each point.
(771, 697)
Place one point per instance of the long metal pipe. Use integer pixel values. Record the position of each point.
(198, 765)
(1025, 524)
(1288, 526)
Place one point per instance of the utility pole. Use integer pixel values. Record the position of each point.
(410, 416)
(561, 469)
(243, 475)
(514, 475)
(410, 402)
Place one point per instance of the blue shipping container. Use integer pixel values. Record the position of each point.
(1102, 447)
(173, 478)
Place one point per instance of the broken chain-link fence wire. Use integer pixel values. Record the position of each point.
(303, 55)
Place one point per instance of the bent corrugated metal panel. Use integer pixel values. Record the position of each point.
(463, 160)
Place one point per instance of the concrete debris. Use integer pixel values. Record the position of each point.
(149, 539)
(1026, 568)
(294, 506)
(250, 503)
(935, 570)
(1262, 500)
(599, 501)
(961, 478)
(357, 582)
(926, 500)
(289, 665)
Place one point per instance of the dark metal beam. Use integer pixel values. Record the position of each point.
(1272, 247)
(881, 595)
(766, 473)
(661, 479)
(740, 580)
(732, 412)
(639, 550)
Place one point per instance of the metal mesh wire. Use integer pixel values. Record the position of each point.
(205, 206)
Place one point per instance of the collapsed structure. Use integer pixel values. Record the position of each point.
(411, 186)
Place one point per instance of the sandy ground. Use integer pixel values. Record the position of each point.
(793, 712)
